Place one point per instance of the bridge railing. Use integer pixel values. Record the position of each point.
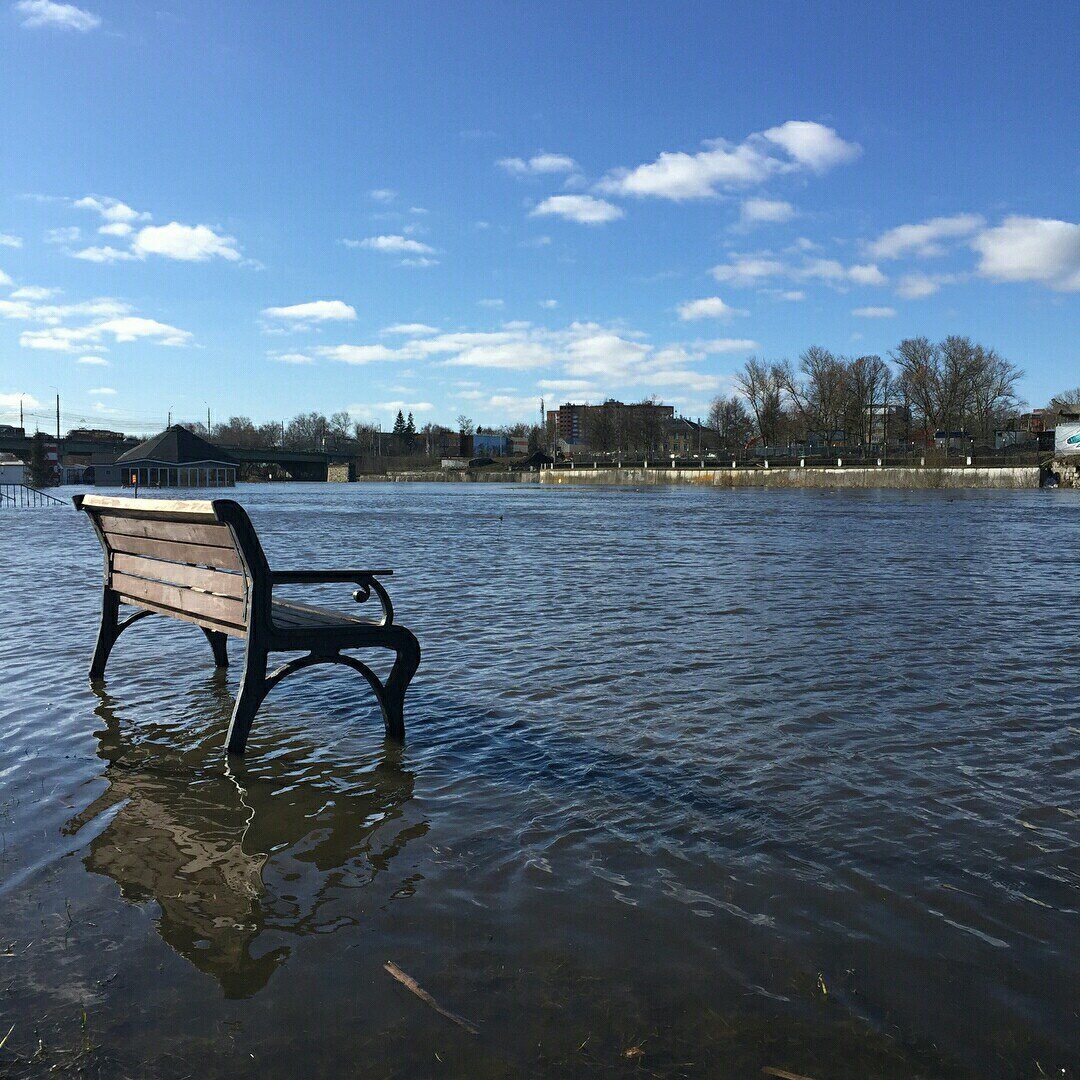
(22, 495)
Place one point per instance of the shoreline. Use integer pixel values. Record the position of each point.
(902, 478)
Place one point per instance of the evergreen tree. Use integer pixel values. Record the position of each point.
(40, 475)
(410, 432)
(399, 425)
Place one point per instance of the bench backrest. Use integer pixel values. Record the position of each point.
(197, 561)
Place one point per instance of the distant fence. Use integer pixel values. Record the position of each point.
(13, 496)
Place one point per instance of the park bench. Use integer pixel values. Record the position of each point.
(202, 563)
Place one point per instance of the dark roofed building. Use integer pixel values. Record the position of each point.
(177, 458)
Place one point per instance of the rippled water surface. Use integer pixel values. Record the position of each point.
(695, 783)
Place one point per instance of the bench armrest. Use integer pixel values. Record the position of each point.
(323, 577)
(368, 580)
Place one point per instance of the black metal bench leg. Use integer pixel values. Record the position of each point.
(252, 691)
(217, 642)
(107, 634)
(405, 665)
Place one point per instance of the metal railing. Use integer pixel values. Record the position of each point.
(21, 495)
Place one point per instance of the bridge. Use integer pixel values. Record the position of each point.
(283, 464)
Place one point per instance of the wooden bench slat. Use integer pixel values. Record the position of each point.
(219, 609)
(193, 554)
(182, 509)
(183, 616)
(175, 531)
(172, 573)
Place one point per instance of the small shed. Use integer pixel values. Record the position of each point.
(177, 458)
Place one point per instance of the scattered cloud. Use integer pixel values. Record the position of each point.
(111, 210)
(793, 294)
(391, 245)
(102, 391)
(290, 358)
(67, 234)
(414, 329)
(7, 240)
(421, 262)
(492, 302)
(568, 386)
(358, 354)
(814, 146)
(918, 286)
(33, 292)
(765, 212)
(4, 279)
(111, 318)
(104, 254)
(187, 243)
(708, 307)
(47, 13)
(679, 175)
(383, 195)
(1044, 250)
(93, 361)
(754, 271)
(585, 209)
(874, 312)
(116, 228)
(746, 271)
(313, 311)
(925, 238)
(548, 303)
(726, 345)
(539, 165)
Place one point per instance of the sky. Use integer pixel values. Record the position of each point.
(462, 209)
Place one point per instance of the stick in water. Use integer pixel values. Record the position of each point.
(411, 984)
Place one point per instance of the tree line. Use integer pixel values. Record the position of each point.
(953, 385)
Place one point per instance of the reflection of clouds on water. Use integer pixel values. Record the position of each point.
(238, 865)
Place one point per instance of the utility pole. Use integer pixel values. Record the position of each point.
(21, 424)
(58, 417)
(208, 421)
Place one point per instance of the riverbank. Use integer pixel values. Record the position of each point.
(891, 477)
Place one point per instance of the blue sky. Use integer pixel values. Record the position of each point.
(460, 208)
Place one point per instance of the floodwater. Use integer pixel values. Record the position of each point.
(696, 783)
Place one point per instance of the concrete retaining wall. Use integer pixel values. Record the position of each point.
(815, 477)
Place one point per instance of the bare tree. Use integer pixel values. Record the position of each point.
(307, 431)
(602, 427)
(762, 386)
(465, 425)
(731, 421)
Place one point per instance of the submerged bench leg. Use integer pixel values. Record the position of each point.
(217, 642)
(405, 665)
(107, 634)
(252, 691)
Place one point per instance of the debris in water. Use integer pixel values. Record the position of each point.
(411, 984)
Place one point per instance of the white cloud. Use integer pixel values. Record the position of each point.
(358, 354)
(7, 240)
(1031, 249)
(112, 210)
(93, 361)
(492, 302)
(748, 270)
(568, 386)
(874, 312)
(134, 327)
(104, 254)
(313, 311)
(391, 245)
(34, 293)
(10, 404)
(47, 13)
(418, 210)
(709, 307)
(4, 279)
(291, 358)
(102, 391)
(67, 234)
(24, 310)
(814, 146)
(679, 175)
(420, 262)
(383, 195)
(765, 211)
(793, 294)
(918, 286)
(585, 209)
(538, 165)
(548, 303)
(866, 275)
(924, 238)
(188, 243)
(414, 329)
(726, 345)
(116, 228)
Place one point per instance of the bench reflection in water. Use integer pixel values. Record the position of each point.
(239, 865)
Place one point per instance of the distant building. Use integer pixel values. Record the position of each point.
(572, 424)
(889, 423)
(12, 471)
(177, 458)
(687, 438)
(1037, 421)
